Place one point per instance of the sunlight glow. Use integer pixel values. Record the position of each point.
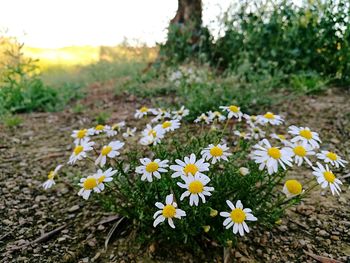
(59, 23)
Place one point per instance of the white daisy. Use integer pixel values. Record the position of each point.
(79, 151)
(118, 126)
(282, 138)
(110, 150)
(171, 125)
(102, 128)
(332, 158)
(104, 177)
(97, 130)
(151, 168)
(256, 132)
(160, 114)
(251, 119)
(305, 134)
(80, 135)
(269, 157)
(88, 185)
(168, 211)
(179, 114)
(196, 187)
(152, 135)
(292, 188)
(50, 178)
(140, 113)
(129, 132)
(325, 177)
(189, 166)
(300, 152)
(202, 118)
(270, 118)
(216, 153)
(233, 111)
(237, 217)
(243, 135)
(215, 116)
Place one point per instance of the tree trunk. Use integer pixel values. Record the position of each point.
(189, 13)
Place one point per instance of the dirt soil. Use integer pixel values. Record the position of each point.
(318, 227)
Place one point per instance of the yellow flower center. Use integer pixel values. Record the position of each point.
(306, 134)
(217, 114)
(274, 152)
(190, 168)
(300, 151)
(152, 167)
(216, 151)
(166, 124)
(78, 149)
(269, 115)
(106, 150)
(144, 109)
(237, 215)
(329, 176)
(90, 183)
(99, 127)
(282, 137)
(332, 156)
(195, 187)
(101, 178)
(81, 134)
(153, 133)
(294, 187)
(169, 211)
(234, 108)
(51, 175)
(242, 134)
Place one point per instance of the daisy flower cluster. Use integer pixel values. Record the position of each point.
(171, 174)
(188, 75)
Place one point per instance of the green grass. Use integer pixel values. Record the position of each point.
(11, 121)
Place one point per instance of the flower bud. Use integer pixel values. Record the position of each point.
(244, 171)
(206, 228)
(213, 212)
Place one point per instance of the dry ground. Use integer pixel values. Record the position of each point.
(319, 226)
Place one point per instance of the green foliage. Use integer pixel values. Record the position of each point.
(307, 83)
(11, 121)
(102, 117)
(186, 43)
(22, 90)
(274, 36)
(313, 37)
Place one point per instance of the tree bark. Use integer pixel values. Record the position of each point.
(189, 13)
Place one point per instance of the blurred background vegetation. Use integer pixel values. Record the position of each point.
(265, 49)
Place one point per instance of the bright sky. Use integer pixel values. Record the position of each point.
(59, 23)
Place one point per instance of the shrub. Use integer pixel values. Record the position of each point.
(204, 169)
(312, 37)
(21, 88)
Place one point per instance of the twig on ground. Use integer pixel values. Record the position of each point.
(110, 233)
(108, 219)
(48, 235)
(322, 259)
